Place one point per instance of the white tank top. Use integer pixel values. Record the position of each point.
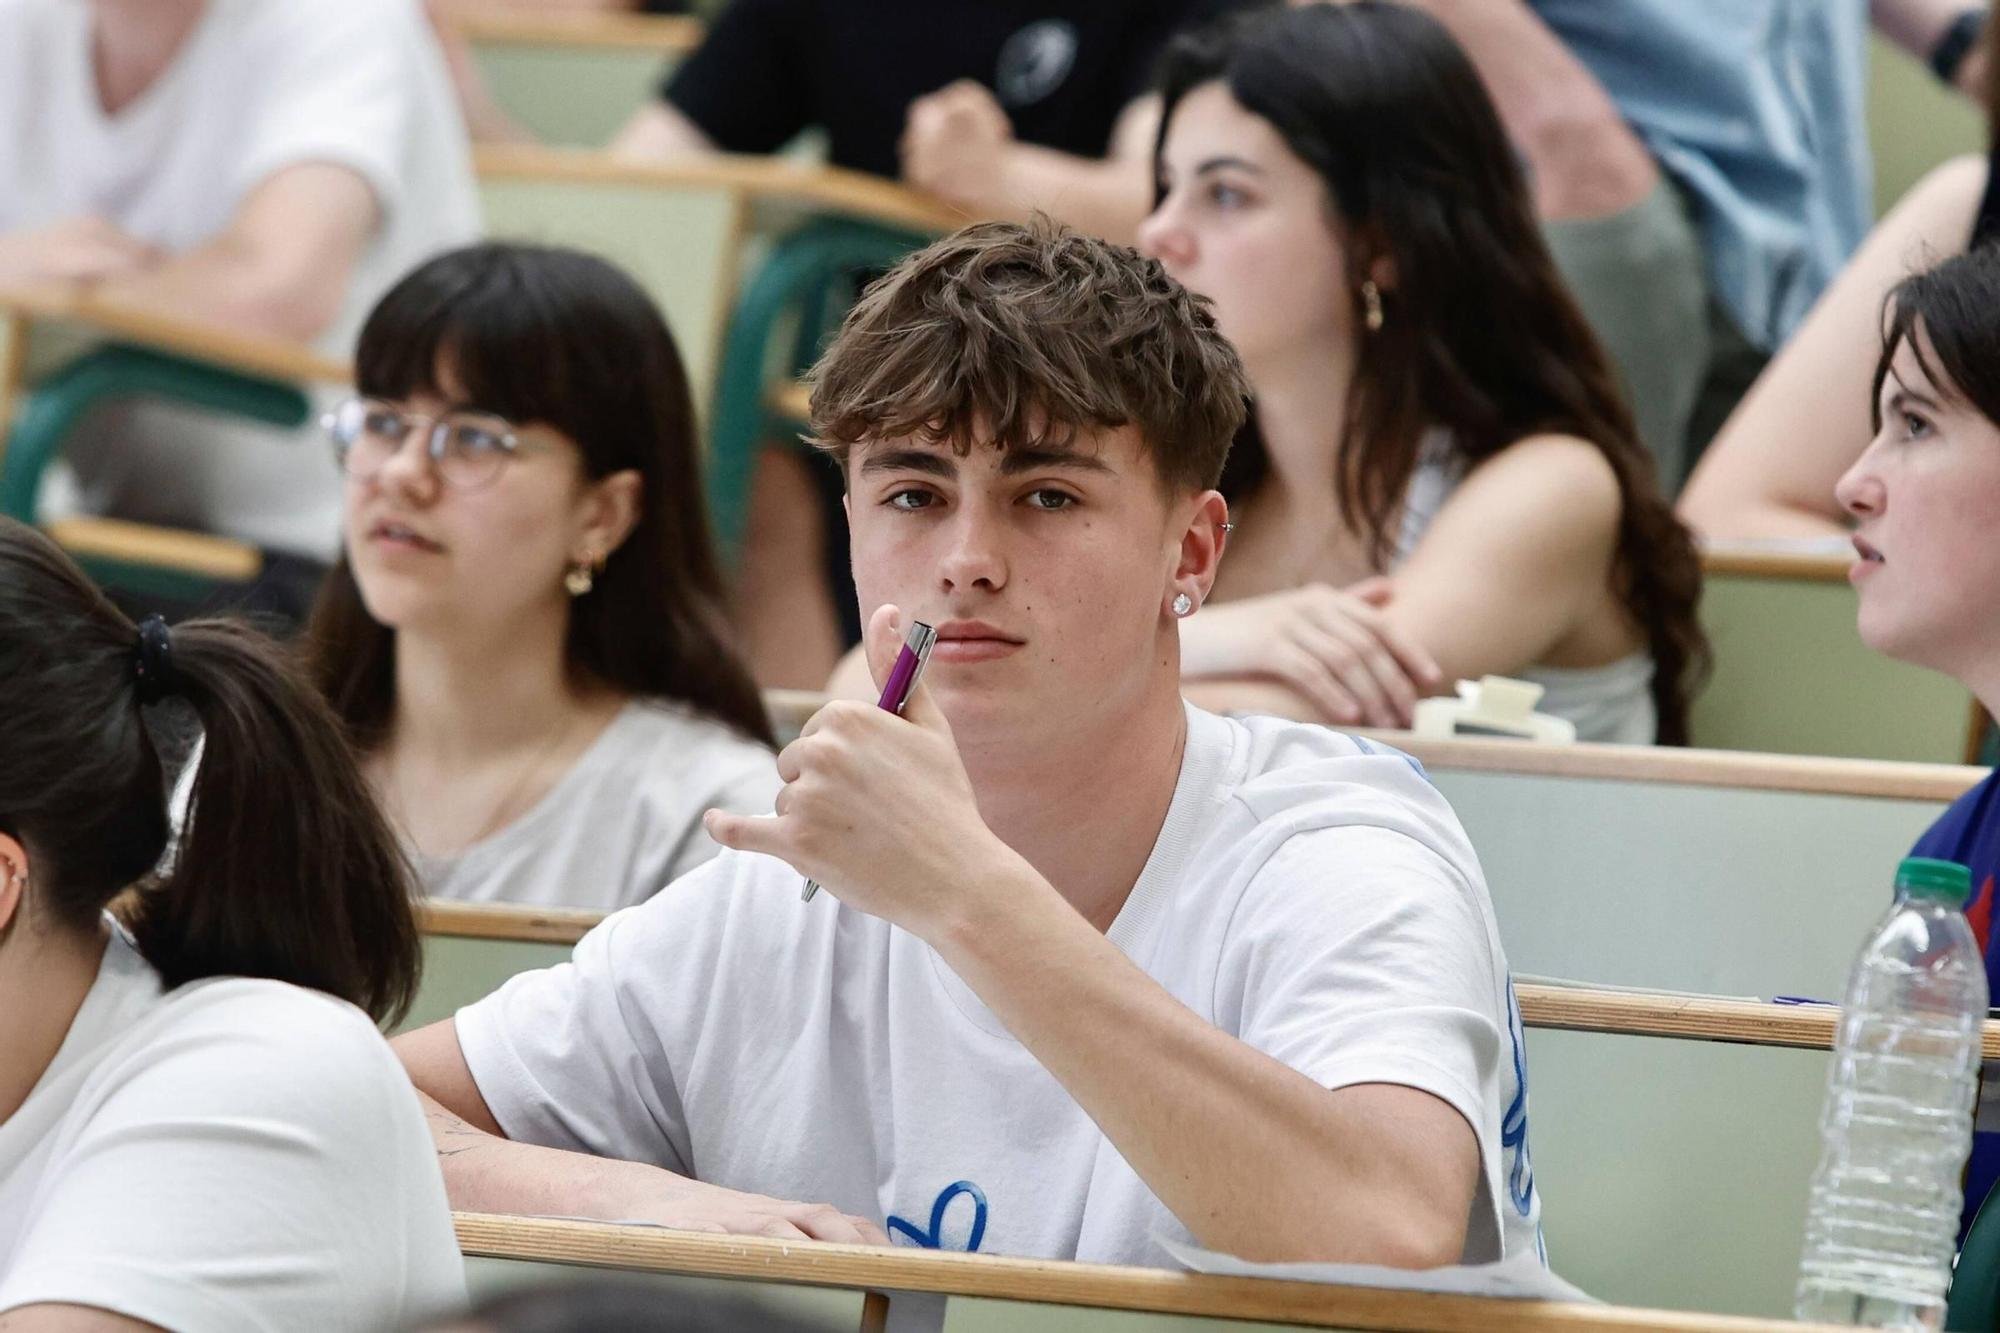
(1612, 703)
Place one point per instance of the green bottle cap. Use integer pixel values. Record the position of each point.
(1923, 877)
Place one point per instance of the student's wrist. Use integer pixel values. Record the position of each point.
(989, 922)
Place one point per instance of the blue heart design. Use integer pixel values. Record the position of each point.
(933, 1239)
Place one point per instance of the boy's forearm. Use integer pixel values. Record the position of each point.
(485, 1173)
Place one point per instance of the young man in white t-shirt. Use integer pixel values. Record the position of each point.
(1093, 968)
(270, 166)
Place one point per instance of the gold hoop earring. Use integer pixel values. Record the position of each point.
(581, 578)
(1371, 305)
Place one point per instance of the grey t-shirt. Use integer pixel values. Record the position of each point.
(622, 823)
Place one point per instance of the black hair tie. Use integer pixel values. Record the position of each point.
(154, 670)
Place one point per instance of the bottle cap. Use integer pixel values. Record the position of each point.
(1923, 877)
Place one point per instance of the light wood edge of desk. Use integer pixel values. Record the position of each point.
(197, 342)
(1885, 778)
(170, 548)
(861, 1268)
(1575, 1009)
(773, 179)
(1748, 1022)
(1724, 560)
(505, 921)
(662, 34)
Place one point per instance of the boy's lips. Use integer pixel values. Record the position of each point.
(973, 641)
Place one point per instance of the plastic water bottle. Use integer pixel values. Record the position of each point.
(1897, 1126)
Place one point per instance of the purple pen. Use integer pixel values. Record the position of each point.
(917, 645)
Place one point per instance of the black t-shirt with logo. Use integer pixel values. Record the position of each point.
(770, 68)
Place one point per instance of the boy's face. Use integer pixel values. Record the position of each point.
(1047, 573)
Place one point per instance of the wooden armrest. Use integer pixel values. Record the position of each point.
(170, 548)
(759, 179)
(269, 358)
(665, 34)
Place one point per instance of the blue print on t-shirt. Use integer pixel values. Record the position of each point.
(934, 1238)
(1514, 1124)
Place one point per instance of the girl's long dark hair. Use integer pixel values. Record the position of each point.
(285, 869)
(1481, 337)
(563, 339)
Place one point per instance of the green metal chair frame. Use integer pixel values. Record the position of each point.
(799, 280)
(52, 410)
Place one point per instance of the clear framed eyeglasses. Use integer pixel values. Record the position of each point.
(468, 449)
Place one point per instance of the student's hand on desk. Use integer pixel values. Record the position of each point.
(1331, 646)
(877, 807)
(82, 249)
(955, 143)
(713, 1209)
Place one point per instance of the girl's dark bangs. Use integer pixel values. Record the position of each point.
(501, 357)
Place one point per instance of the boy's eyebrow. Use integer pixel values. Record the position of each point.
(1016, 461)
(909, 460)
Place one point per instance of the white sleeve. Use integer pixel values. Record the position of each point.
(582, 1055)
(1362, 955)
(261, 1165)
(338, 83)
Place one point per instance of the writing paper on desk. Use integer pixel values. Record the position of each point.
(1521, 1278)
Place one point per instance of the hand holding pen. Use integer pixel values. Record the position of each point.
(896, 690)
(876, 806)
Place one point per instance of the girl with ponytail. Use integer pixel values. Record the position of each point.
(200, 1126)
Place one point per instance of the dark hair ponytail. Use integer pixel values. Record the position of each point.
(285, 868)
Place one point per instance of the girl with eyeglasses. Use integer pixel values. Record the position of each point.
(524, 633)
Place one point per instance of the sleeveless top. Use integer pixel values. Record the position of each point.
(1612, 703)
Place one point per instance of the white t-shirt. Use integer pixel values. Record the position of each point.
(624, 822)
(258, 86)
(235, 1155)
(1309, 893)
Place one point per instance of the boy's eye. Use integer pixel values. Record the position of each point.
(910, 500)
(1915, 426)
(1050, 500)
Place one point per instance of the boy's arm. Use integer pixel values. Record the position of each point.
(484, 1171)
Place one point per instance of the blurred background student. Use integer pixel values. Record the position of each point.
(268, 166)
(1771, 471)
(200, 1127)
(1440, 478)
(1701, 169)
(524, 633)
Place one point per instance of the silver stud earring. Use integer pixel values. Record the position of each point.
(1371, 304)
(1183, 605)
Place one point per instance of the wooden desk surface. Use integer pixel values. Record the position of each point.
(1884, 778)
(763, 180)
(864, 1268)
(199, 342)
(1574, 1009)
